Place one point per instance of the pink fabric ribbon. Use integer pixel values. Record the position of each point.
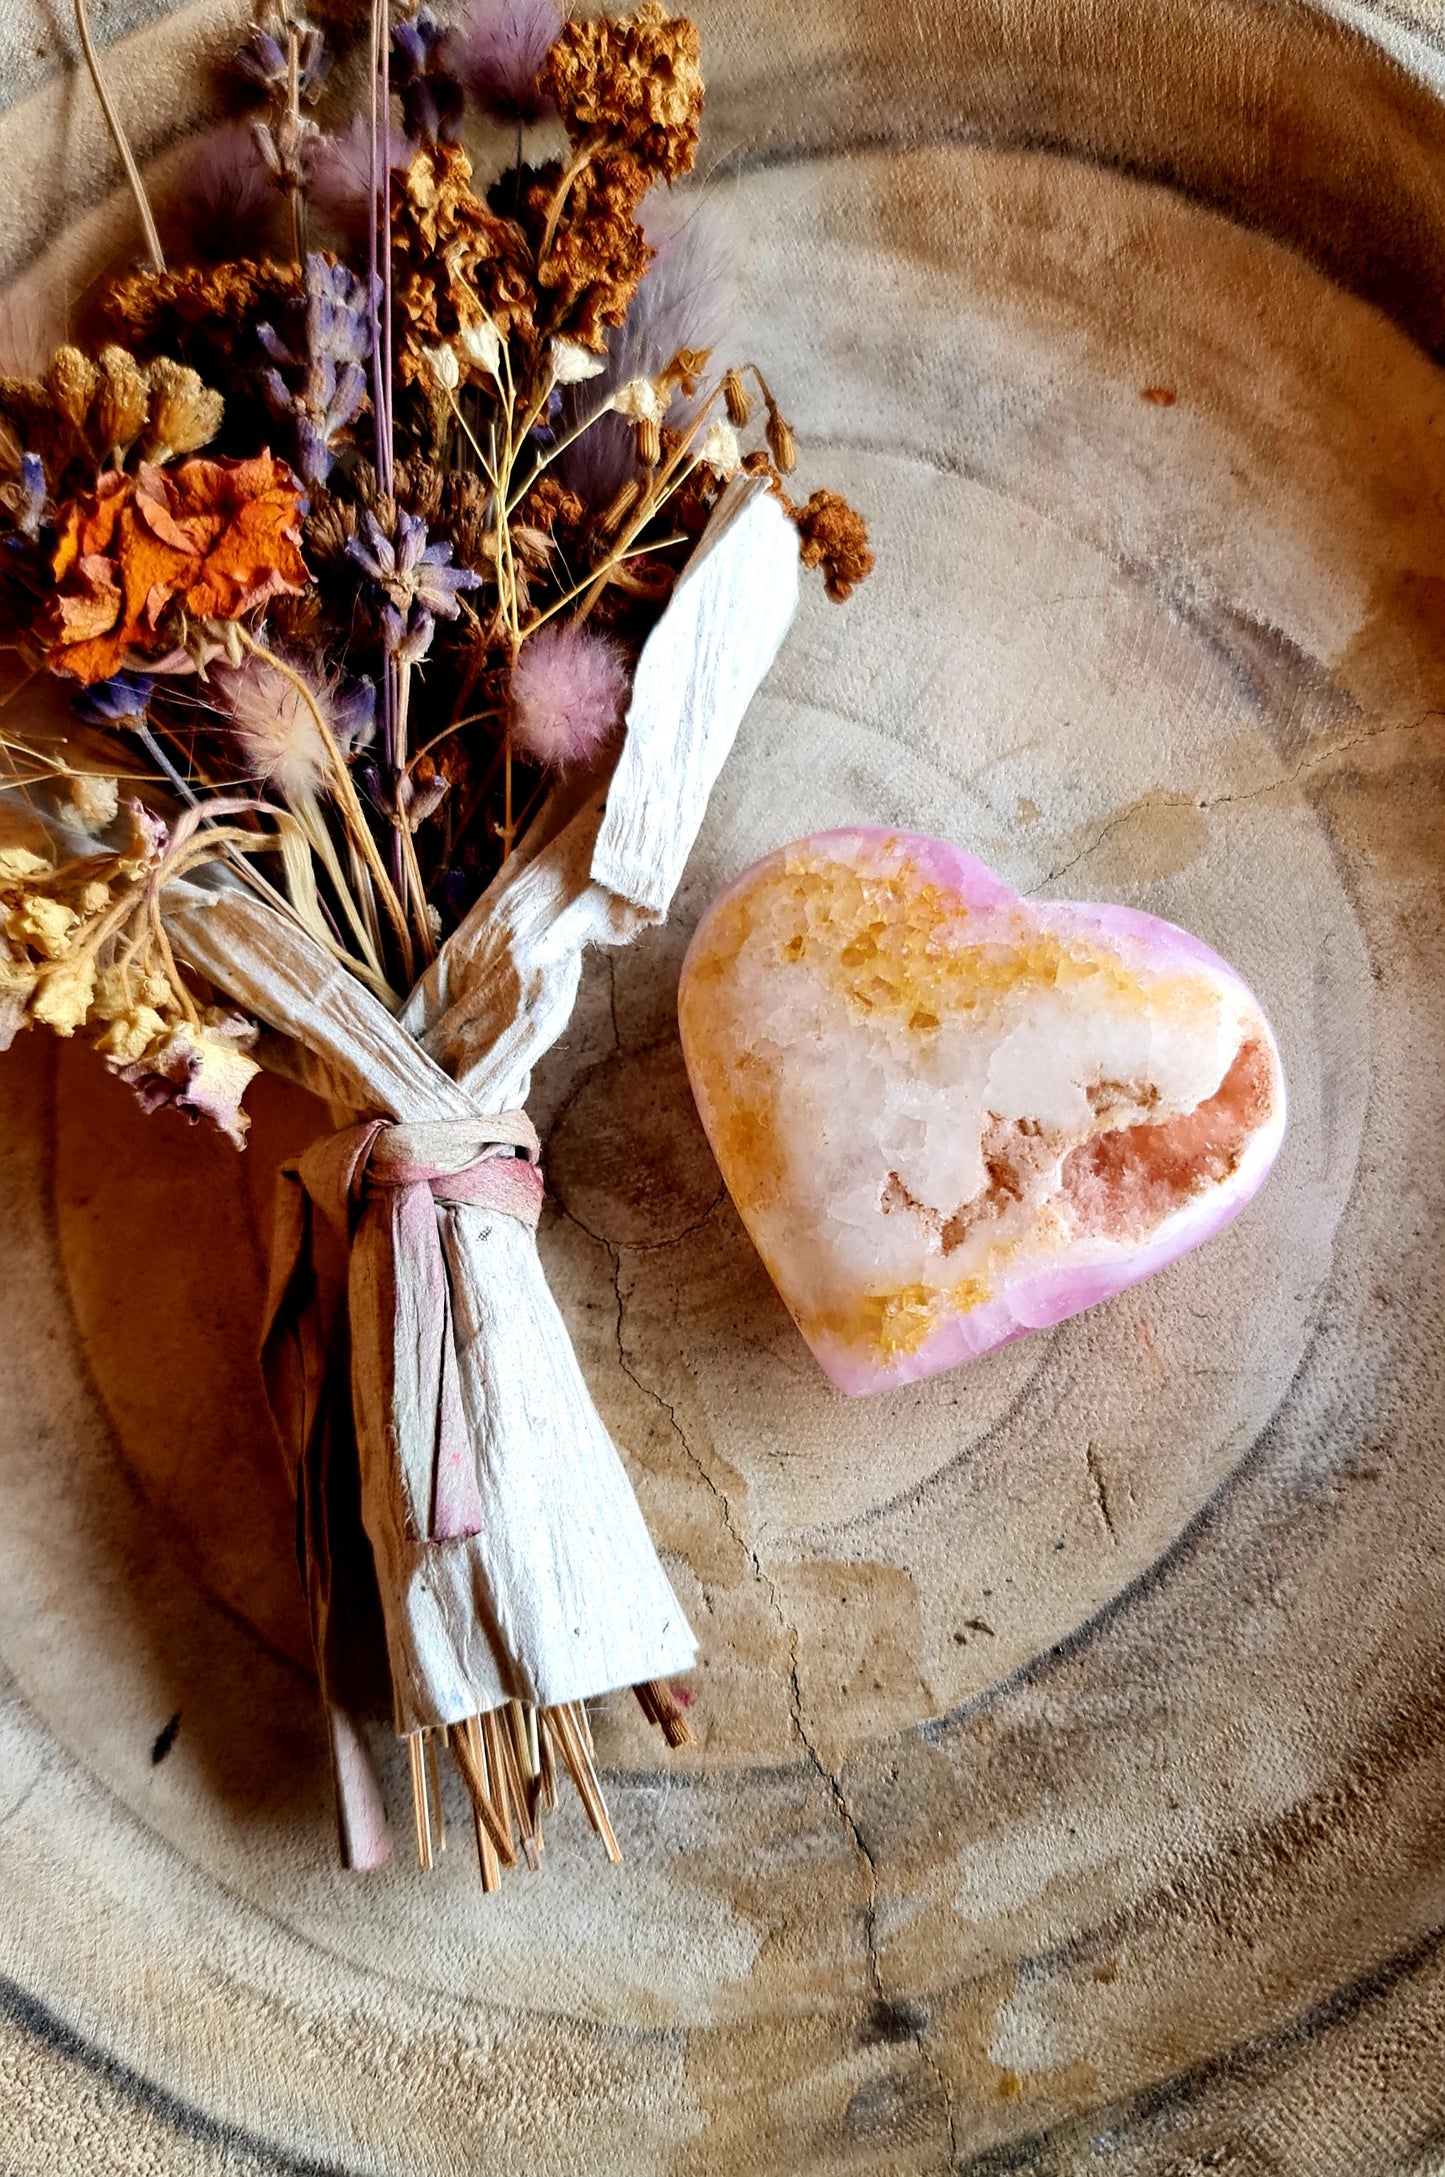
(382, 1189)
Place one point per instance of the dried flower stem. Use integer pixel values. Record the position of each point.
(380, 179)
(353, 815)
(322, 845)
(293, 108)
(558, 446)
(118, 137)
(411, 868)
(579, 166)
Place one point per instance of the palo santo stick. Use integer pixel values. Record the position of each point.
(589, 1791)
(466, 1745)
(519, 1797)
(521, 1741)
(419, 1798)
(494, 1738)
(434, 1778)
(661, 1706)
(547, 1764)
(487, 1859)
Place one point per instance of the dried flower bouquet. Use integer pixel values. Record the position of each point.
(397, 549)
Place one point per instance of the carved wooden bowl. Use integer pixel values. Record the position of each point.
(1071, 1762)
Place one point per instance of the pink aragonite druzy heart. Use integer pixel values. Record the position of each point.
(948, 1115)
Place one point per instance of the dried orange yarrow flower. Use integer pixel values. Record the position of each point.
(634, 83)
(152, 310)
(214, 537)
(834, 536)
(598, 253)
(459, 269)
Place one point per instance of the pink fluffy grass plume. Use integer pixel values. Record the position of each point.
(223, 203)
(568, 694)
(340, 182)
(497, 51)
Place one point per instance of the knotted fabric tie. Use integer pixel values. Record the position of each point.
(380, 1185)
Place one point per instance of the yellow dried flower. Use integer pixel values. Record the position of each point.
(18, 863)
(94, 799)
(720, 450)
(62, 996)
(130, 1034)
(43, 924)
(71, 382)
(184, 413)
(122, 403)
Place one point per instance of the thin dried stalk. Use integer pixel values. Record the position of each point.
(118, 137)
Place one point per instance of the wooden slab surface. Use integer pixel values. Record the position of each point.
(1070, 1780)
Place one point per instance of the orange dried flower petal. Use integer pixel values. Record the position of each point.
(220, 537)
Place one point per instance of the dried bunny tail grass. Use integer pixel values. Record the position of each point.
(686, 298)
(222, 204)
(497, 51)
(31, 329)
(273, 727)
(685, 301)
(340, 173)
(568, 693)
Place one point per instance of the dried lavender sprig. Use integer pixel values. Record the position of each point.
(431, 96)
(327, 381)
(412, 582)
(265, 61)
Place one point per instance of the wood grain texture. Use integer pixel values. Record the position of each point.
(1072, 1756)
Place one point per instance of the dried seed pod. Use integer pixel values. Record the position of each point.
(735, 393)
(71, 381)
(184, 414)
(122, 403)
(649, 442)
(616, 512)
(781, 443)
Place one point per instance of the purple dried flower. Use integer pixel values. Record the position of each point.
(31, 495)
(353, 714)
(684, 301)
(414, 584)
(262, 59)
(431, 97)
(318, 383)
(340, 179)
(119, 701)
(223, 199)
(497, 51)
(568, 694)
(686, 296)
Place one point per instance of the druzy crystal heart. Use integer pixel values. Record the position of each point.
(949, 1115)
